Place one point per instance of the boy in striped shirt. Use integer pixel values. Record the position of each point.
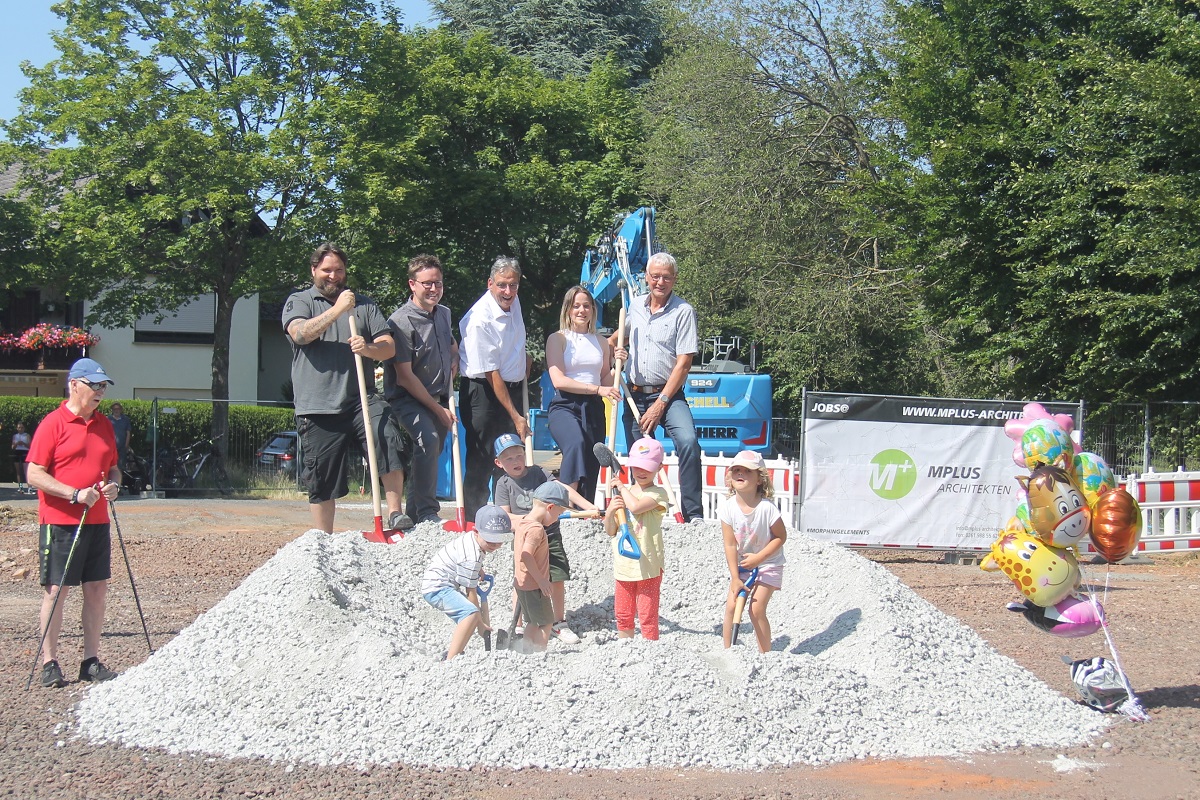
(451, 580)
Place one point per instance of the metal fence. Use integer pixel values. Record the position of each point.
(1135, 438)
(179, 457)
(1132, 438)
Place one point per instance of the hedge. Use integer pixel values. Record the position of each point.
(249, 425)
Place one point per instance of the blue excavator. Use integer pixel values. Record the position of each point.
(730, 399)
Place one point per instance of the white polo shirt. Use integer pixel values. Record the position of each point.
(492, 339)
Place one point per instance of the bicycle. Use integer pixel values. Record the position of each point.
(135, 474)
(180, 469)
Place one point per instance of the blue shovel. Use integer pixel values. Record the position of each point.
(626, 544)
(484, 588)
(739, 605)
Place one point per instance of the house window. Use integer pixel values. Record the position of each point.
(192, 323)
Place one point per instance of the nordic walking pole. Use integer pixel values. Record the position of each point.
(54, 605)
(672, 501)
(372, 460)
(112, 510)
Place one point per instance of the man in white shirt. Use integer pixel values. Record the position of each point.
(493, 364)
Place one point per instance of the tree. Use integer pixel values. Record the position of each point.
(179, 148)
(761, 144)
(469, 153)
(565, 37)
(1051, 211)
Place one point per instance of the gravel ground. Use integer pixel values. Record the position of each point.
(188, 555)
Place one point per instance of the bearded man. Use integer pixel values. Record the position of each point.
(325, 386)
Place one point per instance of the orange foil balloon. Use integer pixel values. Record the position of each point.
(1116, 524)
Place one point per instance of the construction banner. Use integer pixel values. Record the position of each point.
(909, 472)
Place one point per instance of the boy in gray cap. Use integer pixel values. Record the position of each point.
(451, 581)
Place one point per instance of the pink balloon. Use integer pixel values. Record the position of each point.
(1071, 617)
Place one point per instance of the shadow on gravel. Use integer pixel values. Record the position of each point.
(842, 626)
(1171, 697)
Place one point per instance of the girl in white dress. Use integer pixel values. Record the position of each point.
(754, 534)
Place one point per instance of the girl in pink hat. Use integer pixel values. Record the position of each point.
(639, 580)
(754, 535)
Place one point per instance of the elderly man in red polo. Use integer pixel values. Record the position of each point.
(72, 463)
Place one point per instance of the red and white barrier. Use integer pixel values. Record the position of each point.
(1170, 503)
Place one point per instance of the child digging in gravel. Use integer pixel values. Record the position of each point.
(638, 580)
(451, 581)
(514, 493)
(754, 534)
(531, 565)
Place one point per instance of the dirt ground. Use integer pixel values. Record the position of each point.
(188, 554)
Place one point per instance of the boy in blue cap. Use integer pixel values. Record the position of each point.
(514, 493)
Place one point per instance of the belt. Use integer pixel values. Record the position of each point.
(646, 389)
(512, 385)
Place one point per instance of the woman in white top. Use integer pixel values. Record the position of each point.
(580, 365)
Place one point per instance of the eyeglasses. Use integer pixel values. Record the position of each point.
(429, 286)
(95, 387)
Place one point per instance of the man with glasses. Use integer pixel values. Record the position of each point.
(493, 364)
(73, 465)
(662, 343)
(418, 379)
(325, 386)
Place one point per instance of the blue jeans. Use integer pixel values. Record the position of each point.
(428, 438)
(681, 428)
(450, 601)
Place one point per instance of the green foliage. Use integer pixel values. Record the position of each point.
(1051, 215)
(757, 159)
(565, 37)
(462, 150)
(179, 148)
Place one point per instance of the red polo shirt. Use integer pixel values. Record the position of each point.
(79, 452)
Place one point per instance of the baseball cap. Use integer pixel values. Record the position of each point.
(493, 525)
(88, 369)
(749, 459)
(505, 441)
(552, 492)
(645, 454)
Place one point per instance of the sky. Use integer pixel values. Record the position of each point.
(29, 23)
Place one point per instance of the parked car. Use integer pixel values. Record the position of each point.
(281, 452)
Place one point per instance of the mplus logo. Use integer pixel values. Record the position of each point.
(893, 474)
(955, 473)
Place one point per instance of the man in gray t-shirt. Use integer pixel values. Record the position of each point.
(417, 381)
(325, 386)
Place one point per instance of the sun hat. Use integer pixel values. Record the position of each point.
(88, 369)
(493, 525)
(552, 492)
(749, 459)
(505, 441)
(645, 454)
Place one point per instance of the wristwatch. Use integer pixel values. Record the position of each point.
(75, 497)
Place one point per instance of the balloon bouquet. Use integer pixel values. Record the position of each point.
(1068, 496)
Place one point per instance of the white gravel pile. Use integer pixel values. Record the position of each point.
(327, 654)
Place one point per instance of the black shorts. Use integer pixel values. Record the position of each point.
(90, 561)
(560, 568)
(326, 438)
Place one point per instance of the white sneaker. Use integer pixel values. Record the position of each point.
(564, 634)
